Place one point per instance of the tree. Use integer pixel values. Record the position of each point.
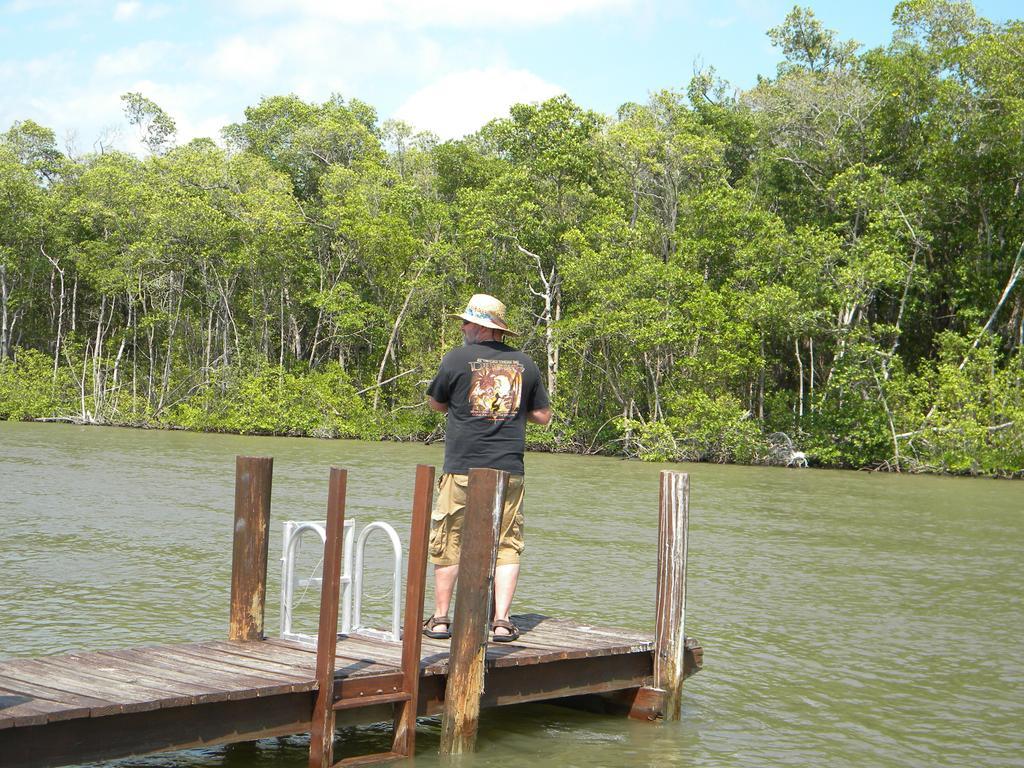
(156, 128)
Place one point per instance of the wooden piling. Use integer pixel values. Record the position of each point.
(670, 620)
(404, 742)
(471, 624)
(321, 731)
(253, 476)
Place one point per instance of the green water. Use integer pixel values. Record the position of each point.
(848, 619)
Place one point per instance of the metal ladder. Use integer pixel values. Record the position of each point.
(351, 584)
(331, 695)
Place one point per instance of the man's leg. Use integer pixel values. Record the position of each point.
(506, 574)
(445, 539)
(505, 579)
(445, 577)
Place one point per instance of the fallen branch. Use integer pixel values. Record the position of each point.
(387, 381)
(922, 430)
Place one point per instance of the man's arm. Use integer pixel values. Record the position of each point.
(541, 416)
(440, 407)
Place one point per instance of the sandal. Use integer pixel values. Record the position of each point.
(433, 621)
(512, 629)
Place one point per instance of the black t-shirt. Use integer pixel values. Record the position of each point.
(490, 388)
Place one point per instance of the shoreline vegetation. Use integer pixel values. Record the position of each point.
(829, 264)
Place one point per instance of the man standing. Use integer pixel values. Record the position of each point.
(489, 392)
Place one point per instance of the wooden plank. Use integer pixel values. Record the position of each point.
(354, 656)
(370, 700)
(136, 733)
(511, 685)
(17, 699)
(481, 526)
(20, 709)
(62, 673)
(226, 659)
(253, 480)
(366, 650)
(404, 738)
(160, 690)
(321, 736)
(235, 684)
(75, 704)
(204, 724)
(162, 674)
(575, 676)
(172, 680)
(353, 688)
(353, 663)
(265, 650)
(670, 637)
(211, 665)
(280, 651)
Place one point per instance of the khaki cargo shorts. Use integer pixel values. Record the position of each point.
(446, 521)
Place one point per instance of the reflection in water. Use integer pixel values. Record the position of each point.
(848, 619)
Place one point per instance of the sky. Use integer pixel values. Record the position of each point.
(447, 66)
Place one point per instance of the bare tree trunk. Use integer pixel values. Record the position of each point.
(280, 352)
(152, 363)
(60, 312)
(222, 288)
(166, 379)
(550, 315)
(86, 416)
(135, 351)
(208, 351)
(97, 358)
(1015, 273)
(5, 327)
(899, 315)
(389, 350)
(115, 387)
(554, 355)
(888, 415)
(800, 370)
(810, 347)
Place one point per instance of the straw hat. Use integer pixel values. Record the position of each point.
(486, 311)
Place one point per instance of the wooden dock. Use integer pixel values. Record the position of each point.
(72, 708)
(83, 707)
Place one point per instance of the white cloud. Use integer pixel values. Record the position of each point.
(136, 60)
(462, 102)
(238, 59)
(133, 9)
(437, 13)
(315, 59)
(722, 22)
(463, 82)
(127, 11)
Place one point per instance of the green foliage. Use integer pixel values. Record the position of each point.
(977, 426)
(834, 254)
(156, 126)
(267, 400)
(27, 387)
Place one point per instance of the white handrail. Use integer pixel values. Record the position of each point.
(396, 602)
(291, 545)
(351, 619)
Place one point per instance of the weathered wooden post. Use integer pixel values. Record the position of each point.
(471, 624)
(404, 742)
(321, 731)
(669, 635)
(253, 475)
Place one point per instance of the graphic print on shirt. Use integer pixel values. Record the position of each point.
(496, 388)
